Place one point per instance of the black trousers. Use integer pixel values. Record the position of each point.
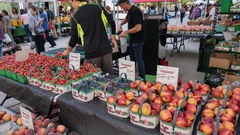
(49, 38)
(39, 41)
(182, 15)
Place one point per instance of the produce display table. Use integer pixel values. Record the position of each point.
(33, 96)
(174, 40)
(92, 118)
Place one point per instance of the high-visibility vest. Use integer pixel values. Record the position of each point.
(79, 27)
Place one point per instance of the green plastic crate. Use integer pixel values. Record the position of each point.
(14, 76)
(220, 28)
(22, 78)
(237, 28)
(151, 78)
(8, 74)
(2, 72)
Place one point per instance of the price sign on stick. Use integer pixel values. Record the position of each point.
(74, 60)
(27, 118)
(22, 55)
(167, 75)
(127, 67)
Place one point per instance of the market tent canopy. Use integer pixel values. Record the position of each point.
(141, 1)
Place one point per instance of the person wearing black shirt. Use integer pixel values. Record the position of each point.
(88, 26)
(50, 14)
(135, 30)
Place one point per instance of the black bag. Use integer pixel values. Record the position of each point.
(38, 30)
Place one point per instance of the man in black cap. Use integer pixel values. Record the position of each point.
(135, 30)
(89, 27)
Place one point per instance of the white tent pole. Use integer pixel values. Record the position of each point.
(165, 7)
(117, 15)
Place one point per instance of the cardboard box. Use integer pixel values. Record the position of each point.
(220, 60)
(232, 79)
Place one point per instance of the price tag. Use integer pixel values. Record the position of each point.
(27, 118)
(127, 67)
(167, 75)
(74, 61)
(22, 55)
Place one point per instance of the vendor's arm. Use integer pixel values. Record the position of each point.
(74, 38)
(124, 21)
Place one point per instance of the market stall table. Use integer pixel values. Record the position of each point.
(92, 118)
(37, 98)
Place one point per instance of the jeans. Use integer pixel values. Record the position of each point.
(28, 33)
(39, 42)
(182, 16)
(1, 46)
(136, 50)
(49, 38)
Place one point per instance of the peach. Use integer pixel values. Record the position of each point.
(149, 84)
(129, 95)
(170, 87)
(197, 93)
(179, 94)
(153, 96)
(121, 96)
(146, 109)
(217, 93)
(156, 106)
(21, 131)
(206, 87)
(121, 102)
(191, 82)
(236, 90)
(234, 107)
(133, 85)
(211, 106)
(111, 99)
(228, 125)
(225, 131)
(187, 86)
(143, 87)
(34, 116)
(180, 102)
(165, 92)
(198, 86)
(154, 112)
(14, 118)
(204, 92)
(41, 131)
(167, 98)
(165, 115)
(29, 132)
(180, 114)
(135, 108)
(226, 117)
(189, 123)
(192, 101)
(144, 95)
(181, 122)
(19, 121)
(38, 122)
(192, 108)
(52, 129)
(235, 101)
(216, 111)
(190, 95)
(9, 132)
(236, 96)
(225, 92)
(60, 128)
(6, 117)
(206, 128)
(222, 101)
(3, 112)
(172, 109)
(207, 120)
(138, 100)
(214, 101)
(189, 115)
(158, 100)
(45, 122)
(208, 113)
(230, 112)
(128, 102)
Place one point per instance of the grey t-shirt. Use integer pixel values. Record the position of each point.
(6, 20)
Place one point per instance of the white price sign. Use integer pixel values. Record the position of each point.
(127, 67)
(74, 61)
(27, 118)
(167, 75)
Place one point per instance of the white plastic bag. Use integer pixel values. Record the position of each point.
(161, 51)
(124, 44)
(7, 39)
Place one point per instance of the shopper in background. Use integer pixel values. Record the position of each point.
(62, 12)
(182, 13)
(14, 15)
(7, 25)
(190, 16)
(202, 7)
(34, 23)
(93, 20)
(196, 12)
(152, 10)
(212, 11)
(24, 19)
(50, 14)
(108, 9)
(135, 30)
(45, 25)
(175, 10)
(1, 38)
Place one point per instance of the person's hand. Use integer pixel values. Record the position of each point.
(119, 29)
(65, 53)
(123, 34)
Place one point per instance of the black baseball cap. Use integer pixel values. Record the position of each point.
(121, 1)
